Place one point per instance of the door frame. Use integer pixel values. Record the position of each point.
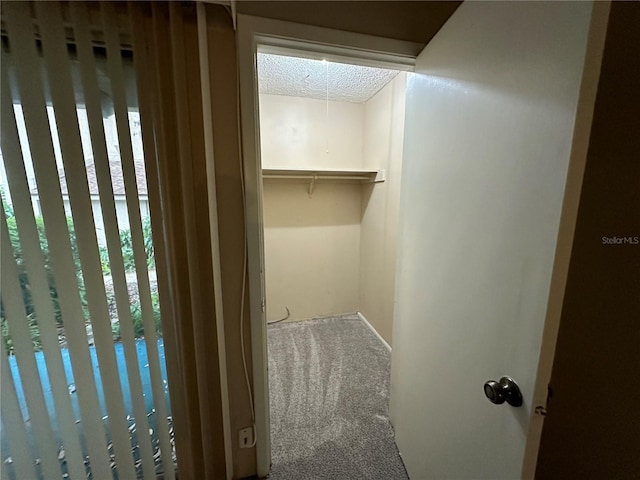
(278, 36)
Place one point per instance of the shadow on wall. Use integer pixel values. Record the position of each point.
(288, 204)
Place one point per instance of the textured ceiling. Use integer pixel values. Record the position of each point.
(304, 77)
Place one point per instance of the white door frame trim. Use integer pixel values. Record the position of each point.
(277, 36)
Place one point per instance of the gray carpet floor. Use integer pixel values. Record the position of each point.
(329, 399)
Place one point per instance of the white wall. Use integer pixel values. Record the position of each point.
(488, 137)
(383, 138)
(299, 133)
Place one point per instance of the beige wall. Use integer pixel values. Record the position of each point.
(300, 132)
(383, 137)
(231, 226)
(333, 252)
(311, 249)
(312, 244)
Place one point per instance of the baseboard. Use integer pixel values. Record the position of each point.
(317, 317)
(366, 322)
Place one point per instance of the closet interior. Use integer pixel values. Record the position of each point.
(331, 138)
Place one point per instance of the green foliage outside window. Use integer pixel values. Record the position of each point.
(127, 251)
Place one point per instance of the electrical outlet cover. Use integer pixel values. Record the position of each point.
(245, 437)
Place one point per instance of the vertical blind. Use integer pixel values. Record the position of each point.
(75, 255)
(170, 54)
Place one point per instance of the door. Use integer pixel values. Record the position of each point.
(488, 135)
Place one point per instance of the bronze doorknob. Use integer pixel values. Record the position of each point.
(506, 390)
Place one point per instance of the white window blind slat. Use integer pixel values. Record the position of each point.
(107, 203)
(29, 85)
(12, 420)
(185, 180)
(118, 87)
(145, 86)
(23, 347)
(61, 84)
(34, 262)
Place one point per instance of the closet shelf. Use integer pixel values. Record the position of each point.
(359, 176)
